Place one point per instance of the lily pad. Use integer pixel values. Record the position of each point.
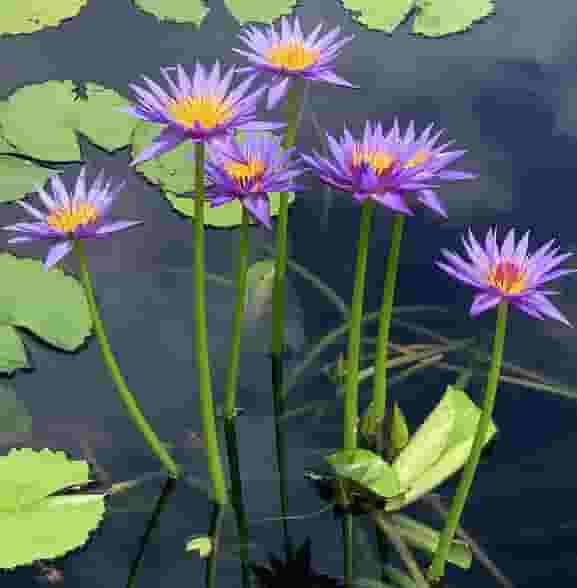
(258, 11)
(19, 177)
(224, 216)
(42, 120)
(34, 15)
(433, 18)
(14, 416)
(39, 524)
(184, 11)
(50, 304)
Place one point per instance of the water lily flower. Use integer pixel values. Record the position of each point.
(70, 217)
(288, 54)
(197, 108)
(508, 273)
(387, 168)
(248, 170)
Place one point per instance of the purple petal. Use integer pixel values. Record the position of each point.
(35, 213)
(332, 78)
(220, 200)
(168, 139)
(394, 201)
(259, 207)
(432, 201)
(115, 226)
(483, 302)
(545, 307)
(56, 253)
(277, 92)
(261, 126)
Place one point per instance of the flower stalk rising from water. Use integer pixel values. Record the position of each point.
(246, 171)
(503, 275)
(289, 55)
(70, 220)
(196, 108)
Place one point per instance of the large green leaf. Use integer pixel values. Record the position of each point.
(17, 175)
(385, 16)
(452, 426)
(50, 304)
(175, 10)
(426, 445)
(433, 18)
(436, 18)
(41, 120)
(14, 416)
(366, 469)
(41, 526)
(258, 10)
(17, 16)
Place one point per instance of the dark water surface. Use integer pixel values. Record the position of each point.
(505, 92)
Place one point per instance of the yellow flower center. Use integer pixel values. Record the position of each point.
(67, 219)
(208, 111)
(508, 277)
(380, 161)
(243, 172)
(293, 55)
(419, 158)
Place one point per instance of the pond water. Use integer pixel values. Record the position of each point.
(503, 92)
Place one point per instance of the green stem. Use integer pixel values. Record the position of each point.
(214, 532)
(350, 412)
(230, 400)
(277, 344)
(437, 569)
(380, 379)
(136, 416)
(351, 385)
(293, 100)
(201, 338)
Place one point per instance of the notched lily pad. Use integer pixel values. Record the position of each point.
(17, 16)
(39, 524)
(183, 11)
(258, 11)
(50, 304)
(42, 120)
(433, 18)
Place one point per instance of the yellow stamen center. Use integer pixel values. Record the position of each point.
(208, 111)
(67, 219)
(244, 172)
(508, 277)
(419, 158)
(380, 161)
(293, 56)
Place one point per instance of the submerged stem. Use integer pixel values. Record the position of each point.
(130, 403)
(231, 385)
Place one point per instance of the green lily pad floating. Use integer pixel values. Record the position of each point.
(50, 304)
(258, 11)
(192, 11)
(42, 120)
(40, 525)
(225, 216)
(19, 177)
(433, 18)
(14, 416)
(34, 15)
